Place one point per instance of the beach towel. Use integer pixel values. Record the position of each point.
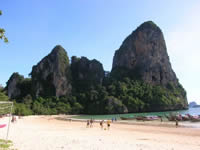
(2, 125)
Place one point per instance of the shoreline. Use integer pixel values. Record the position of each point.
(165, 123)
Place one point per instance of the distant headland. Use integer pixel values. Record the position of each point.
(193, 104)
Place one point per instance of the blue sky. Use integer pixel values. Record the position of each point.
(95, 29)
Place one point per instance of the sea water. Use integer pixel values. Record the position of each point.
(191, 111)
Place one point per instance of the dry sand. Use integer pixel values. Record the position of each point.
(48, 133)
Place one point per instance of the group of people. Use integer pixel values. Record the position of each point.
(91, 121)
(108, 122)
(14, 118)
(114, 119)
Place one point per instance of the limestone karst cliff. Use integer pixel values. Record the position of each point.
(12, 85)
(144, 53)
(143, 56)
(141, 80)
(51, 76)
(86, 72)
(18, 86)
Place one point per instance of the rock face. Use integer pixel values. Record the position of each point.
(51, 76)
(12, 87)
(144, 52)
(86, 72)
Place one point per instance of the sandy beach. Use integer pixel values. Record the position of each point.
(48, 133)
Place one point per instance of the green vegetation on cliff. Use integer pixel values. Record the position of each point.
(119, 92)
(113, 96)
(3, 96)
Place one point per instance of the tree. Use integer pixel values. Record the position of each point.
(2, 32)
(3, 96)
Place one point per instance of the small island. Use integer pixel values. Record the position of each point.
(193, 105)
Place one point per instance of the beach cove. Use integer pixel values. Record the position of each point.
(50, 133)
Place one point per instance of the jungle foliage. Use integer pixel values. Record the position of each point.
(113, 96)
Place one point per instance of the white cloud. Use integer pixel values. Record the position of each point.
(183, 44)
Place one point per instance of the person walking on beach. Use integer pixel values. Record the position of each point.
(91, 123)
(101, 124)
(108, 124)
(176, 123)
(161, 119)
(115, 119)
(88, 123)
(13, 119)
